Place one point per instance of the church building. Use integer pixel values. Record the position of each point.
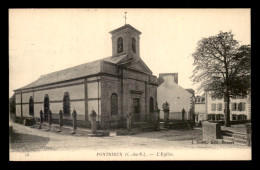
(114, 87)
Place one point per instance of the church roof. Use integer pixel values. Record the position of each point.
(124, 27)
(82, 70)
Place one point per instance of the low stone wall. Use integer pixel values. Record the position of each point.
(211, 131)
(180, 125)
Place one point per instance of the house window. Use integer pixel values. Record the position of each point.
(234, 106)
(66, 104)
(31, 109)
(219, 106)
(133, 45)
(151, 105)
(114, 104)
(213, 98)
(213, 107)
(119, 45)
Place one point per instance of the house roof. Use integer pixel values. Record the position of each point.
(82, 70)
(190, 91)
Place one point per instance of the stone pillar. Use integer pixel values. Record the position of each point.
(166, 110)
(183, 113)
(60, 120)
(49, 119)
(211, 131)
(157, 117)
(41, 119)
(129, 121)
(248, 133)
(74, 116)
(93, 116)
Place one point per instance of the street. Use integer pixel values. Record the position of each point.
(25, 141)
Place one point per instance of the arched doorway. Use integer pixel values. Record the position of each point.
(31, 109)
(66, 104)
(46, 107)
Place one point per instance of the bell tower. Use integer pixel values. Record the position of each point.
(125, 40)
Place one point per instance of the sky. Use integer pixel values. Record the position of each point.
(42, 41)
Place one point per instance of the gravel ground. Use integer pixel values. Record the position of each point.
(29, 140)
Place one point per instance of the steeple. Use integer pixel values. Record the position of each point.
(125, 40)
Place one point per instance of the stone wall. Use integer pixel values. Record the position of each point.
(211, 131)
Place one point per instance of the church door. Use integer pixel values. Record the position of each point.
(46, 108)
(136, 113)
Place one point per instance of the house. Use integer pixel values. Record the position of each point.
(200, 109)
(114, 87)
(177, 97)
(240, 107)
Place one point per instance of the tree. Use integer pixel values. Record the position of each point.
(223, 68)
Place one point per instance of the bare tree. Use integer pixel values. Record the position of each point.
(222, 68)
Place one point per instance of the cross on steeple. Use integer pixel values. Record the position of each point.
(125, 17)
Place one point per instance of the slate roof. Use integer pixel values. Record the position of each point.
(82, 70)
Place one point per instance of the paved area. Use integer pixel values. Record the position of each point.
(24, 139)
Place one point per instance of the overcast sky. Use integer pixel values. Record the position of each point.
(42, 41)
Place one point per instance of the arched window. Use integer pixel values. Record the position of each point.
(114, 104)
(119, 45)
(31, 109)
(66, 104)
(46, 106)
(133, 45)
(151, 105)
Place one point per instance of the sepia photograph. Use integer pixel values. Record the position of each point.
(126, 84)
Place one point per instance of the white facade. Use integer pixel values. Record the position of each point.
(240, 108)
(176, 96)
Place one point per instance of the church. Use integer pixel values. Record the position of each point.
(114, 87)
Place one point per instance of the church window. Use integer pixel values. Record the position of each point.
(114, 104)
(133, 45)
(119, 45)
(151, 105)
(31, 109)
(46, 106)
(66, 104)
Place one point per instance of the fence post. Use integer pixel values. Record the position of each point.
(60, 120)
(157, 117)
(166, 110)
(49, 119)
(41, 119)
(183, 113)
(74, 121)
(129, 122)
(248, 134)
(93, 116)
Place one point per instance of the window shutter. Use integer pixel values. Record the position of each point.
(239, 106)
(243, 106)
(233, 106)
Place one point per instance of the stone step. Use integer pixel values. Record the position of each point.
(235, 140)
(226, 133)
(241, 141)
(239, 136)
